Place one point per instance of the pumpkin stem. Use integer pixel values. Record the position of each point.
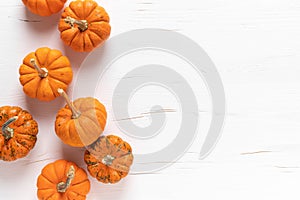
(75, 113)
(6, 131)
(108, 160)
(43, 72)
(63, 186)
(82, 24)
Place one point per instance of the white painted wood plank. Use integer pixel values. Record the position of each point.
(256, 48)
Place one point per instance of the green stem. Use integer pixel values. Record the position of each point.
(6, 131)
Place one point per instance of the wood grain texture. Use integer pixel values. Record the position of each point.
(255, 45)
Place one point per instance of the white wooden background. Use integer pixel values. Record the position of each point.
(255, 45)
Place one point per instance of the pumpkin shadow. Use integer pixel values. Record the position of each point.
(73, 154)
(105, 190)
(41, 24)
(44, 110)
(15, 169)
(76, 58)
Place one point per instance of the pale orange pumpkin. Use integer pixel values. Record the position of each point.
(109, 159)
(80, 123)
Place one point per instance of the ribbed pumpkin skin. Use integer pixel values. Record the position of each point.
(44, 7)
(84, 130)
(60, 74)
(98, 29)
(24, 137)
(56, 172)
(112, 146)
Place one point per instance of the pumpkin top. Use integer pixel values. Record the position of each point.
(43, 72)
(81, 122)
(18, 132)
(62, 180)
(109, 159)
(84, 25)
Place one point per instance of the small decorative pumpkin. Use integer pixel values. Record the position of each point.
(44, 7)
(17, 134)
(43, 72)
(80, 123)
(84, 25)
(62, 180)
(109, 159)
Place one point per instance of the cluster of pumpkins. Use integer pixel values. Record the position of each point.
(45, 74)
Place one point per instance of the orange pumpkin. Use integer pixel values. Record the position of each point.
(62, 180)
(44, 7)
(84, 25)
(109, 159)
(80, 123)
(17, 134)
(43, 72)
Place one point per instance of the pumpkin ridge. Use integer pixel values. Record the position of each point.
(51, 77)
(77, 195)
(63, 68)
(73, 11)
(46, 82)
(23, 67)
(93, 120)
(89, 36)
(28, 141)
(97, 35)
(78, 183)
(38, 61)
(39, 80)
(83, 125)
(68, 12)
(90, 14)
(58, 174)
(95, 11)
(47, 188)
(103, 114)
(87, 15)
(75, 35)
(47, 56)
(48, 6)
(24, 83)
(52, 87)
(49, 64)
(22, 145)
(68, 125)
(102, 120)
(36, 4)
(49, 195)
(53, 90)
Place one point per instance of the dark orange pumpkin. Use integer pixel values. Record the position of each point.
(62, 180)
(109, 159)
(17, 134)
(84, 25)
(44, 7)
